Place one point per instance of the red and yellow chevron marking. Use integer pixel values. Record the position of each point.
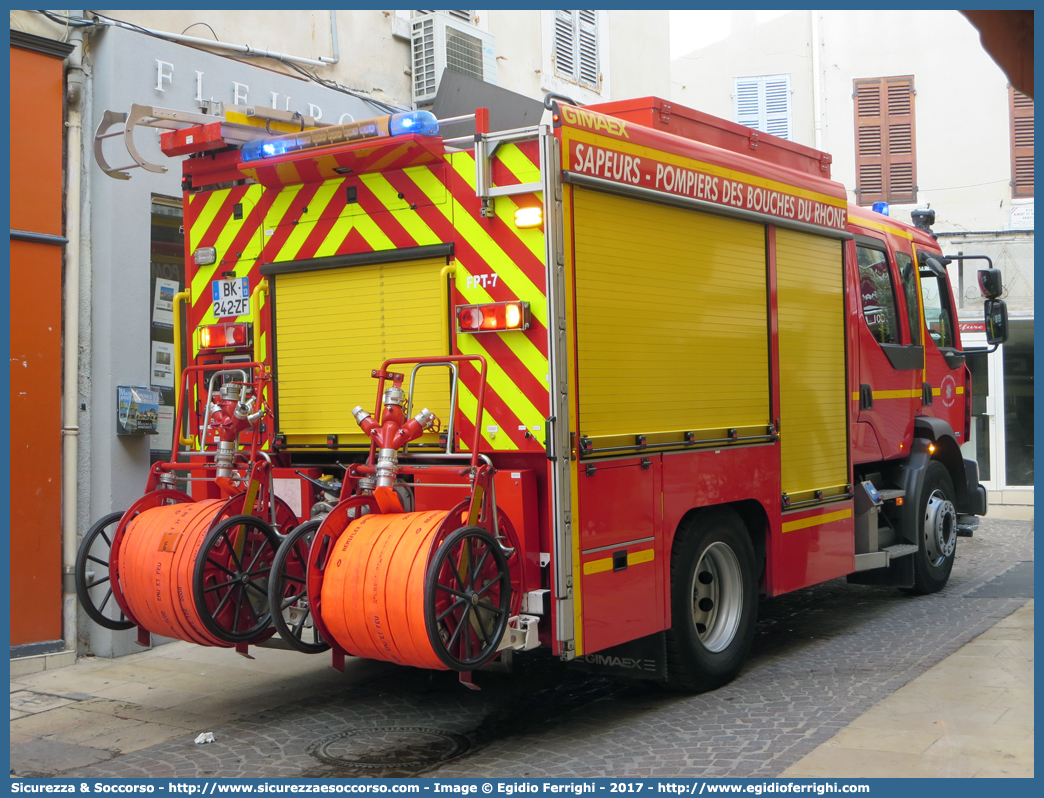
(415, 200)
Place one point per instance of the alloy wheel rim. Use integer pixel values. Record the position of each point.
(940, 527)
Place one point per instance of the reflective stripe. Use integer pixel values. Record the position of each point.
(816, 520)
(606, 563)
(884, 228)
(904, 394)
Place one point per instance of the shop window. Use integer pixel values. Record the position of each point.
(1018, 404)
(908, 276)
(167, 278)
(878, 295)
(763, 103)
(979, 442)
(1021, 114)
(885, 142)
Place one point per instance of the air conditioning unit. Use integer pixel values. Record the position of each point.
(442, 41)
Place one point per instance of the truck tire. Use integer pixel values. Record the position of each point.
(714, 601)
(936, 531)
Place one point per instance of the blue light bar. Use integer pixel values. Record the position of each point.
(269, 148)
(880, 207)
(422, 123)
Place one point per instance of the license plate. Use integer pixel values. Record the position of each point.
(231, 297)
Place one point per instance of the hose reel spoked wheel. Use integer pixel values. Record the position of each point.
(93, 586)
(230, 579)
(288, 595)
(467, 598)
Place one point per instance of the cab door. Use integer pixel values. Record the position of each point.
(887, 393)
(945, 375)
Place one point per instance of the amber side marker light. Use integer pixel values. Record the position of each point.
(494, 317)
(226, 336)
(529, 217)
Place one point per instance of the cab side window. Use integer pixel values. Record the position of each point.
(878, 295)
(937, 316)
(908, 276)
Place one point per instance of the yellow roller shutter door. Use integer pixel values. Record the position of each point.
(814, 422)
(671, 307)
(333, 327)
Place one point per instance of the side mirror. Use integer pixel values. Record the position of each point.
(996, 320)
(990, 283)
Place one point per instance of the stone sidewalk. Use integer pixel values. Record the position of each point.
(68, 718)
(969, 716)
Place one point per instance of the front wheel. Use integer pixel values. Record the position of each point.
(936, 531)
(714, 601)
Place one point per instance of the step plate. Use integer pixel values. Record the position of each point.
(890, 494)
(900, 550)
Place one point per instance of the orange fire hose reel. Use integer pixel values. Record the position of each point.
(196, 571)
(423, 589)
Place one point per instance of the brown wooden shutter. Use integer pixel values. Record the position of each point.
(885, 140)
(1021, 143)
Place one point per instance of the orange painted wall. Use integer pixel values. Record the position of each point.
(36, 354)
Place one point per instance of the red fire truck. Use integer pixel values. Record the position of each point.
(594, 385)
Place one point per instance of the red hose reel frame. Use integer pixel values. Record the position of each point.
(477, 510)
(255, 490)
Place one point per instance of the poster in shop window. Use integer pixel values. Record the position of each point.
(163, 303)
(162, 365)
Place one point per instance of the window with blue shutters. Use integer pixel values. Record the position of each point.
(762, 102)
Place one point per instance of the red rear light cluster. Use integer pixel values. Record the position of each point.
(226, 336)
(495, 317)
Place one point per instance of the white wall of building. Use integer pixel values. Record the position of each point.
(961, 102)
(375, 51)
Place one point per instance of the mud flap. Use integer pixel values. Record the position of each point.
(899, 573)
(644, 658)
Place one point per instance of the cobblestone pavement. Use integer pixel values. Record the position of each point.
(822, 656)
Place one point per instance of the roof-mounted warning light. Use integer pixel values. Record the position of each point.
(422, 123)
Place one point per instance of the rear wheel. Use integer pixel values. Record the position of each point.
(713, 601)
(936, 533)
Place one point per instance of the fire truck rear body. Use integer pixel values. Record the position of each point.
(678, 317)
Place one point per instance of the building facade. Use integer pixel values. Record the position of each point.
(916, 127)
(332, 66)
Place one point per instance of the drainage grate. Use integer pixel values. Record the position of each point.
(1016, 582)
(400, 747)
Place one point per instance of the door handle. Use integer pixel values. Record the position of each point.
(866, 397)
